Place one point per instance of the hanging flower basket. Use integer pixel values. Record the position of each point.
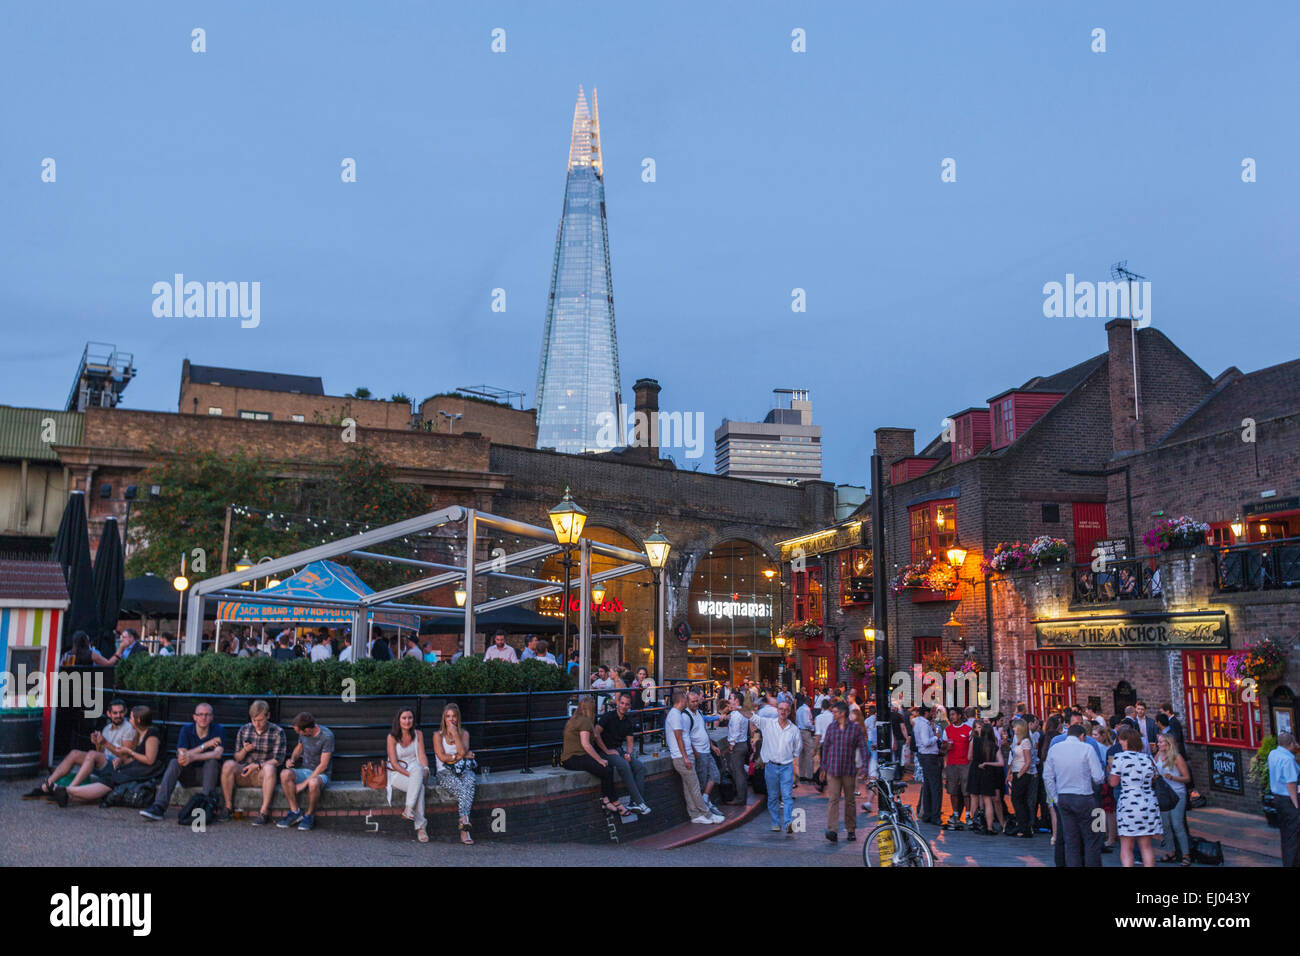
(1181, 532)
(801, 630)
(858, 665)
(932, 580)
(1044, 551)
(936, 661)
(1261, 661)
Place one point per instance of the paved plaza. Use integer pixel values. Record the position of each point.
(40, 834)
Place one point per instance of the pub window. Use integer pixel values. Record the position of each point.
(214, 410)
(965, 445)
(923, 647)
(1003, 423)
(1216, 712)
(855, 577)
(1221, 535)
(807, 590)
(298, 418)
(255, 416)
(1051, 681)
(1051, 514)
(934, 529)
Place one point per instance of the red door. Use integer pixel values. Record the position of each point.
(1051, 681)
(1089, 528)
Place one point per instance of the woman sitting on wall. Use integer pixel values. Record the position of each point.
(580, 754)
(456, 765)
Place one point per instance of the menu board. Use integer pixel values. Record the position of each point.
(1225, 771)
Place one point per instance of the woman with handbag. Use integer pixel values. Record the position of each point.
(141, 763)
(456, 765)
(408, 765)
(1137, 813)
(1172, 766)
(1101, 734)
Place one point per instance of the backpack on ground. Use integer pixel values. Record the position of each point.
(136, 794)
(207, 803)
(1209, 852)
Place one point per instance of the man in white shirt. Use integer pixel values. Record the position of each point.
(345, 655)
(781, 746)
(677, 734)
(738, 749)
(500, 650)
(602, 681)
(1071, 775)
(706, 768)
(321, 650)
(927, 752)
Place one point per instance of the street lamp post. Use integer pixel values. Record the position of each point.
(181, 584)
(567, 520)
(656, 549)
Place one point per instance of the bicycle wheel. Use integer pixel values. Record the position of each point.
(889, 844)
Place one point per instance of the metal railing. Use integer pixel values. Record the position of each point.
(1126, 579)
(1259, 566)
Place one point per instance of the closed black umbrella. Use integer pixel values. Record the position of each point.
(152, 596)
(72, 552)
(110, 580)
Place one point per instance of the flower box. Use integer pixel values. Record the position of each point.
(925, 595)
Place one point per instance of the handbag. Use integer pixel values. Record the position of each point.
(1166, 798)
(374, 774)
(1209, 852)
(462, 767)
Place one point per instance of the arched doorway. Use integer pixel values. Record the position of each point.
(622, 621)
(731, 608)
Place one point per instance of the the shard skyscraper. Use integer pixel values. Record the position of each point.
(577, 382)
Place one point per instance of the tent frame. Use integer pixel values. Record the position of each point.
(468, 569)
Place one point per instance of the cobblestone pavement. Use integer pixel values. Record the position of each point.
(37, 833)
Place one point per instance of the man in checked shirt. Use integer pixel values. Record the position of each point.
(260, 749)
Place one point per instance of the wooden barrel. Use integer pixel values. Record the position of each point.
(20, 744)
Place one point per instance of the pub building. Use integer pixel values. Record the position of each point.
(830, 579)
(1096, 464)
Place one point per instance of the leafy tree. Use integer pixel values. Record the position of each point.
(362, 392)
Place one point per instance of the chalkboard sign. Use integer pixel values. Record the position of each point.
(1225, 771)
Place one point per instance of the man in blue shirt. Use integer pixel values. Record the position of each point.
(198, 751)
(1087, 738)
(1283, 775)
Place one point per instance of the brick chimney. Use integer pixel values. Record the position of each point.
(1124, 430)
(894, 443)
(646, 391)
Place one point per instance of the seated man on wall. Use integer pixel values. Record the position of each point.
(197, 761)
(259, 749)
(614, 738)
(315, 750)
(106, 747)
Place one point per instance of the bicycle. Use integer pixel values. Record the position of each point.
(894, 841)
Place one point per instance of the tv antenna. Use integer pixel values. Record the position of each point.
(1120, 270)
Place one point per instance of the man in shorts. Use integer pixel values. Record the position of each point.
(957, 736)
(259, 749)
(314, 753)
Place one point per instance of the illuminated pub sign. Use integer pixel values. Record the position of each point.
(1192, 630)
(832, 539)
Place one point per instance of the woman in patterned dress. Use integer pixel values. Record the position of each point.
(1137, 814)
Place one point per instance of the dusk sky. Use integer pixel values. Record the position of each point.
(775, 170)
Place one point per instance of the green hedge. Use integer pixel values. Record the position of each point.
(212, 673)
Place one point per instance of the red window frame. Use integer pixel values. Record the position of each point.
(1216, 713)
(848, 564)
(922, 647)
(1004, 422)
(930, 538)
(807, 588)
(964, 446)
(1051, 680)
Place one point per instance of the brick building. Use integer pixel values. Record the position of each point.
(466, 414)
(1079, 456)
(276, 396)
(724, 530)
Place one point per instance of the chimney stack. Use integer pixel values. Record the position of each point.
(1125, 429)
(646, 391)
